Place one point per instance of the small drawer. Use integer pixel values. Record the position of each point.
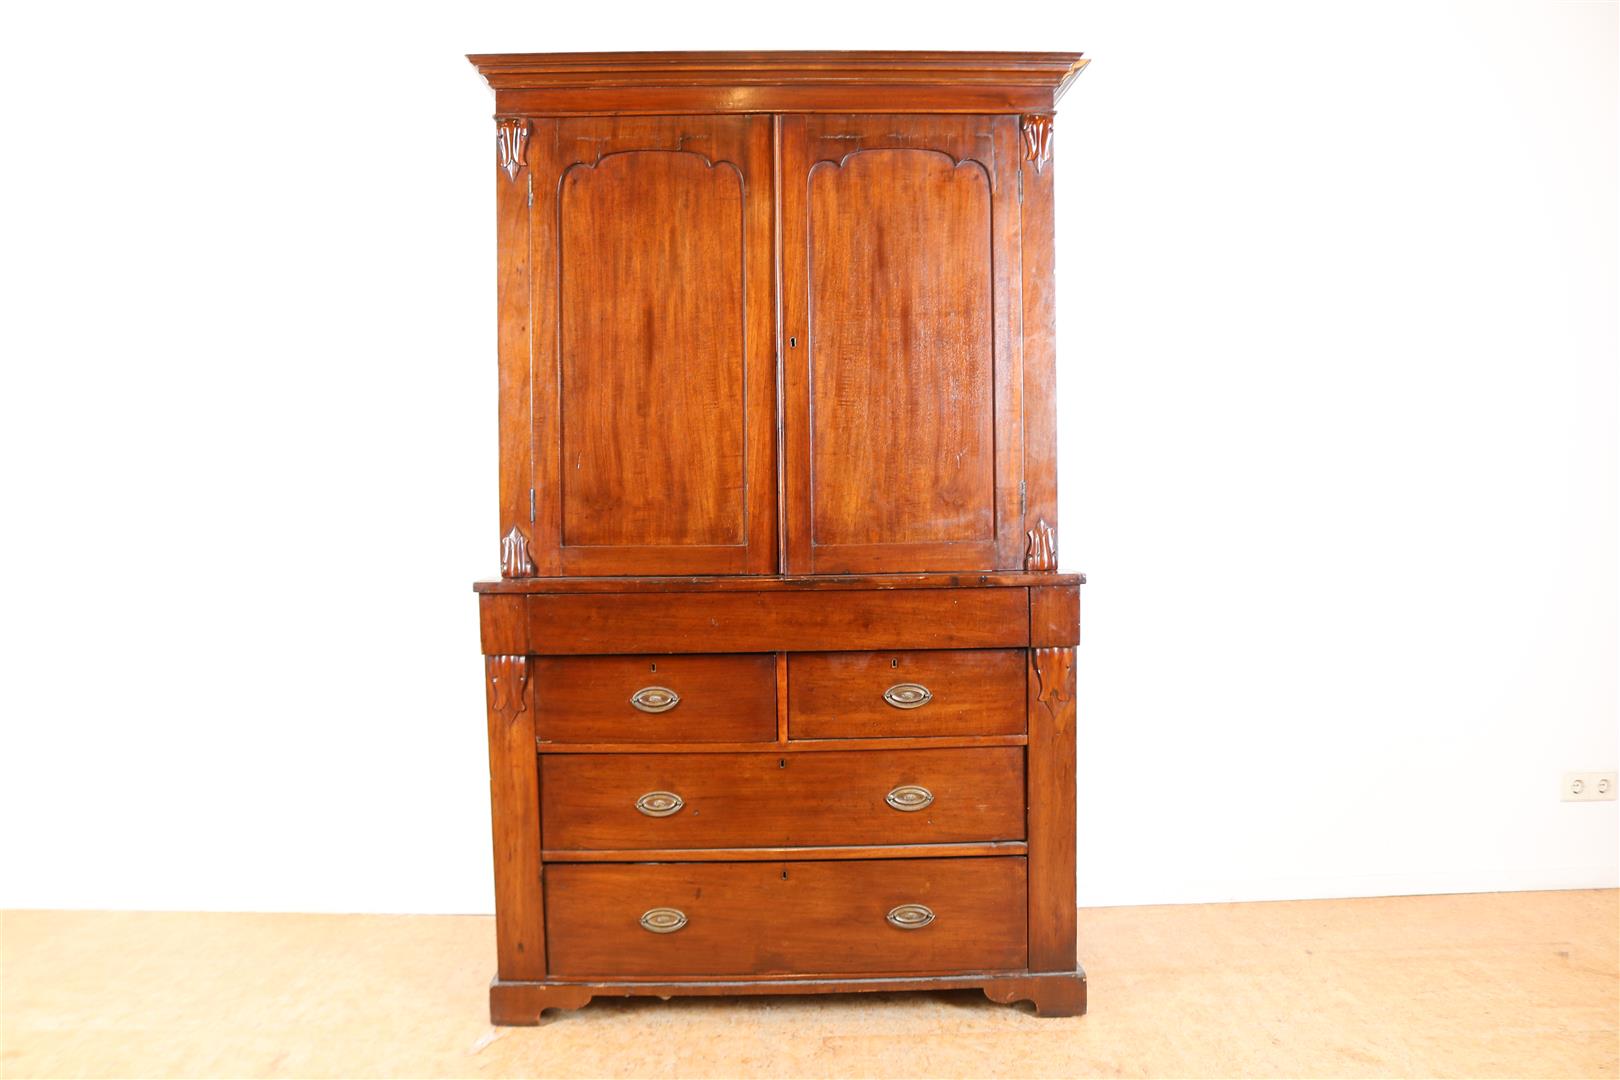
(849, 695)
(620, 802)
(857, 917)
(628, 699)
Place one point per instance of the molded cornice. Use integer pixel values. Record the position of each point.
(932, 82)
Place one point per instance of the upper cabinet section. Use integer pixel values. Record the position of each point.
(776, 313)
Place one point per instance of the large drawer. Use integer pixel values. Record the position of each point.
(858, 917)
(621, 699)
(774, 617)
(694, 800)
(856, 695)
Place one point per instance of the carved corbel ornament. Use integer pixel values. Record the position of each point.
(1038, 140)
(511, 139)
(1054, 668)
(1041, 553)
(515, 561)
(508, 684)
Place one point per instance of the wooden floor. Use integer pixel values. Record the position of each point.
(1519, 984)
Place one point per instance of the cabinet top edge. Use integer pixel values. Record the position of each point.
(1050, 72)
(779, 583)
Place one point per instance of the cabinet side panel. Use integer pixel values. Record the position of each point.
(1054, 615)
(1050, 774)
(1039, 328)
(514, 792)
(503, 628)
(513, 177)
(1009, 373)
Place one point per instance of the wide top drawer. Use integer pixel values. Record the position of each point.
(768, 618)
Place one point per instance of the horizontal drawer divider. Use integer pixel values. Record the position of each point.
(790, 746)
(777, 582)
(789, 854)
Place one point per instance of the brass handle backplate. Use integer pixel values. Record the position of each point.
(667, 920)
(655, 699)
(909, 797)
(660, 803)
(911, 916)
(908, 695)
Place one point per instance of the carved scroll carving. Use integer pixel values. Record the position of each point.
(1055, 670)
(1041, 554)
(515, 561)
(511, 137)
(508, 683)
(1038, 140)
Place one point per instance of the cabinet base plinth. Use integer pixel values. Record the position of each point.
(1060, 994)
(519, 1004)
(1054, 994)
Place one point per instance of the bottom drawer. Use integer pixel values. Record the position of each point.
(857, 917)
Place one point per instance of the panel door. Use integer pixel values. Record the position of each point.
(654, 345)
(901, 307)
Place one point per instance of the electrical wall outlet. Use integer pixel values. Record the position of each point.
(1588, 786)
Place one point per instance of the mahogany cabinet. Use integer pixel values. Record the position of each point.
(780, 668)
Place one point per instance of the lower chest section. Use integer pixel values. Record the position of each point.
(782, 790)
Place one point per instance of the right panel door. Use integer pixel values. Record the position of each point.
(901, 274)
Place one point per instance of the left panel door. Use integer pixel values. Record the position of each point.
(653, 345)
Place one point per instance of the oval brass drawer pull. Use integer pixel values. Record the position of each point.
(659, 803)
(908, 695)
(655, 699)
(911, 916)
(667, 920)
(909, 797)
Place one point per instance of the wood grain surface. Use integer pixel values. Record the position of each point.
(779, 629)
(655, 362)
(766, 799)
(587, 699)
(827, 918)
(841, 694)
(559, 84)
(902, 395)
(616, 623)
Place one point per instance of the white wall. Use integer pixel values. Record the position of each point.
(1339, 385)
